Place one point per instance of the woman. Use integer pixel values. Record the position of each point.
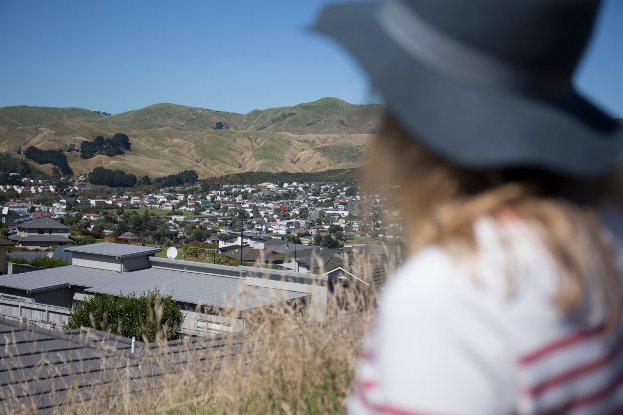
(511, 299)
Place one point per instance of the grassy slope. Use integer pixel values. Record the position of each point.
(166, 138)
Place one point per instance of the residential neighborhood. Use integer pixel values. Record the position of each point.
(297, 234)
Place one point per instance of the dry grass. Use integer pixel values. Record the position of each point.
(283, 363)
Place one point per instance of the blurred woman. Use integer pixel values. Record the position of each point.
(506, 178)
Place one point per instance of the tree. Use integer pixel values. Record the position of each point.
(149, 317)
(318, 239)
(183, 177)
(55, 157)
(107, 146)
(111, 178)
(121, 140)
(294, 239)
(337, 231)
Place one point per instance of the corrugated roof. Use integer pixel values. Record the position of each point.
(187, 287)
(54, 277)
(112, 249)
(194, 288)
(45, 371)
(41, 370)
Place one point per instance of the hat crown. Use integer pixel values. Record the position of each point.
(537, 36)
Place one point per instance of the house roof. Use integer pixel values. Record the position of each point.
(42, 223)
(276, 245)
(50, 238)
(128, 236)
(62, 254)
(114, 250)
(46, 371)
(314, 258)
(5, 242)
(40, 368)
(186, 287)
(301, 250)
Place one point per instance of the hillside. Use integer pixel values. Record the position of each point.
(166, 138)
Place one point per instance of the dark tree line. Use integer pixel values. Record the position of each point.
(10, 164)
(111, 178)
(55, 157)
(181, 178)
(256, 177)
(106, 146)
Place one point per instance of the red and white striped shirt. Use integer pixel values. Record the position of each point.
(457, 337)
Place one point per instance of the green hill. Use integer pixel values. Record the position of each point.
(166, 138)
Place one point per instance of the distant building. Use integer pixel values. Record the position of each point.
(41, 233)
(128, 237)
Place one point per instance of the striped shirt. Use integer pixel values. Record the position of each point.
(464, 337)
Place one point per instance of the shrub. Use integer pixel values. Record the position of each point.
(149, 317)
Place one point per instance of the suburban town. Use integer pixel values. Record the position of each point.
(302, 228)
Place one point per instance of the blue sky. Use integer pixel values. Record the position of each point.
(231, 55)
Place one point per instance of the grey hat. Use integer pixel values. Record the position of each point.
(484, 83)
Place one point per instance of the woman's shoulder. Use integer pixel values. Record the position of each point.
(508, 265)
(431, 279)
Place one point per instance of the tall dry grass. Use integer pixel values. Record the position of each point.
(282, 363)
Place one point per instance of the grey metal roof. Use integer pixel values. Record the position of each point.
(314, 257)
(186, 287)
(115, 250)
(194, 288)
(42, 370)
(45, 371)
(42, 223)
(42, 238)
(61, 254)
(55, 277)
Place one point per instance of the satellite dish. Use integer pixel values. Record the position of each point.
(172, 253)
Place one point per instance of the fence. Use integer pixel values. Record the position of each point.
(41, 315)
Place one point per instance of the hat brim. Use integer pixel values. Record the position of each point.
(470, 124)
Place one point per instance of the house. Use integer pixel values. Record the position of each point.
(205, 292)
(41, 233)
(97, 202)
(128, 237)
(228, 239)
(314, 259)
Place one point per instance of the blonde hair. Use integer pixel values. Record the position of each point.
(439, 203)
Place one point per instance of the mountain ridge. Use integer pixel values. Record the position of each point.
(325, 134)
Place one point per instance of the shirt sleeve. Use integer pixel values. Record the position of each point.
(440, 345)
